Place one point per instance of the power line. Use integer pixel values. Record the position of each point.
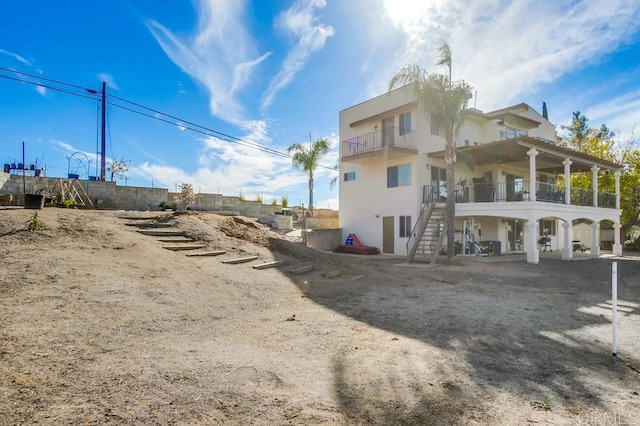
(181, 122)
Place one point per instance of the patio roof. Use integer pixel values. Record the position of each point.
(514, 152)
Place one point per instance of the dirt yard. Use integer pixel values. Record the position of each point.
(100, 324)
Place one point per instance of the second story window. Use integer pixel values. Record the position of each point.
(349, 176)
(405, 124)
(512, 132)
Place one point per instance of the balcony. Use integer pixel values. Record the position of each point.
(392, 138)
(516, 191)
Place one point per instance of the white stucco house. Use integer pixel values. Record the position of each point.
(393, 193)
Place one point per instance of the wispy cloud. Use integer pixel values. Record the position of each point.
(17, 57)
(40, 89)
(229, 167)
(505, 49)
(221, 56)
(300, 23)
(108, 78)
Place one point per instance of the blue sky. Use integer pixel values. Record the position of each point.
(277, 72)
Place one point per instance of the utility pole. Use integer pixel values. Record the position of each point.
(103, 135)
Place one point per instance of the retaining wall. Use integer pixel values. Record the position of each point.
(323, 239)
(108, 195)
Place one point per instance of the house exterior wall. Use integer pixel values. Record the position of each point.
(370, 200)
(365, 201)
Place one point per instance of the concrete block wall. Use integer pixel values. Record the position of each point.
(139, 198)
(328, 222)
(108, 195)
(323, 239)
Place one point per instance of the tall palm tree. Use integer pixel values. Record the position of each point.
(444, 57)
(444, 101)
(308, 159)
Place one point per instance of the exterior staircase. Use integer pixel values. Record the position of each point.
(428, 234)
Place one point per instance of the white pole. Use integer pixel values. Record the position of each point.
(614, 308)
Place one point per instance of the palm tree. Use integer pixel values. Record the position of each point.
(444, 57)
(444, 101)
(308, 159)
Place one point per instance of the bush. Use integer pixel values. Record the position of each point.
(185, 196)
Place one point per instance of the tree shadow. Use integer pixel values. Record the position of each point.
(523, 335)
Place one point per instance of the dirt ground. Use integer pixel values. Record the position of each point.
(100, 324)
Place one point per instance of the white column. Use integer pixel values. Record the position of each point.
(594, 184)
(567, 180)
(567, 250)
(617, 247)
(532, 174)
(531, 246)
(617, 175)
(595, 239)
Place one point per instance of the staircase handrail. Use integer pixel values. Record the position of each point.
(418, 228)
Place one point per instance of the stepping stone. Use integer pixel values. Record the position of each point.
(175, 240)
(140, 217)
(240, 260)
(150, 225)
(301, 270)
(268, 265)
(184, 247)
(161, 233)
(207, 253)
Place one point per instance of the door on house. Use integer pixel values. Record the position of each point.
(515, 235)
(515, 186)
(388, 234)
(439, 182)
(388, 132)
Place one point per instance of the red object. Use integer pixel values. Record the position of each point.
(356, 241)
(356, 247)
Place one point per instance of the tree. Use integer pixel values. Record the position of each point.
(185, 196)
(600, 142)
(334, 180)
(444, 101)
(444, 58)
(577, 130)
(308, 159)
(117, 168)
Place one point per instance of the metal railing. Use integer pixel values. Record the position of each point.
(389, 137)
(516, 191)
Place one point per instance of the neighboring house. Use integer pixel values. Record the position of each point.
(393, 181)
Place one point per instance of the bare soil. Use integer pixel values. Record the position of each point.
(101, 325)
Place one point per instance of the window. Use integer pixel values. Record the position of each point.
(399, 176)
(349, 176)
(405, 124)
(547, 225)
(405, 226)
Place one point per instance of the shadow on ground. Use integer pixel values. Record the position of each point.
(536, 334)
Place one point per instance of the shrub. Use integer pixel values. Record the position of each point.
(185, 196)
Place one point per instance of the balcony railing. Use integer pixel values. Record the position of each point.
(515, 191)
(389, 137)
